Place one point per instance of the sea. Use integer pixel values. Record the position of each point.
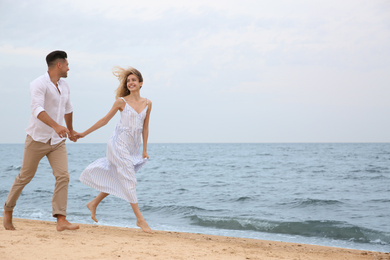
(330, 194)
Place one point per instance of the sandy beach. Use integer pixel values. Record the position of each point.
(35, 239)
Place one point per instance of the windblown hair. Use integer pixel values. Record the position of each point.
(122, 75)
(52, 57)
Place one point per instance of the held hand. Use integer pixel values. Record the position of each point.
(79, 135)
(62, 131)
(72, 136)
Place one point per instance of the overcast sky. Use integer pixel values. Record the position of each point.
(215, 70)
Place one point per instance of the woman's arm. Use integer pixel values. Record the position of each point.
(145, 132)
(118, 104)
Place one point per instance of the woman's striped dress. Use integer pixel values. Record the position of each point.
(115, 174)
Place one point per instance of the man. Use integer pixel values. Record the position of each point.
(50, 105)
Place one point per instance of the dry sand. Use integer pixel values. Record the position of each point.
(39, 240)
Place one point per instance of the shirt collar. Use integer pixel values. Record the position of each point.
(47, 76)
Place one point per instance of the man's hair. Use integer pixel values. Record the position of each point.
(53, 56)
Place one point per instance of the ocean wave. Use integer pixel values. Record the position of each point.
(298, 203)
(13, 168)
(181, 190)
(380, 200)
(319, 171)
(40, 193)
(379, 177)
(245, 198)
(3, 193)
(324, 229)
(263, 154)
(376, 169)
(174, 209)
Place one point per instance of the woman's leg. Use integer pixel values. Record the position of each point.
(92, 205)
(141, 222)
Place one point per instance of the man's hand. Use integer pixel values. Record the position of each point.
(62, 131)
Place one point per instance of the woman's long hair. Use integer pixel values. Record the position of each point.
(122, 75)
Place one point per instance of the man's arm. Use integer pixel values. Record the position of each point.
(69, 124)
(60, 130)
(37, 92)
(69, 121)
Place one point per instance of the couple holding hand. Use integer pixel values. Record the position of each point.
(114, 174)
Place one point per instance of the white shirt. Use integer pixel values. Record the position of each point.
(45, 97)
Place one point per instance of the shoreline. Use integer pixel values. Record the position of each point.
(36, 239)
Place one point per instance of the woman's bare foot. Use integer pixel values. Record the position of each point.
(144, 226)
(7, 220)
(63, 224)
(92, 208)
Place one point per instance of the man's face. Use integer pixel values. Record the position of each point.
(64, 67)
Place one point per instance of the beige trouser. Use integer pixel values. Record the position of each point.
(33, 153)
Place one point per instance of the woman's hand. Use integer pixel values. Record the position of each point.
(145, 155)
(79, 135)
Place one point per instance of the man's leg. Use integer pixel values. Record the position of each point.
(58, 160)
(33, 153)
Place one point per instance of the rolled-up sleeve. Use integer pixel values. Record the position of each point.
(37, 92)
(68, 105)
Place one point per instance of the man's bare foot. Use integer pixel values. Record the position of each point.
(63, 224)
(92, 208)
(144, 226)
(7, 220)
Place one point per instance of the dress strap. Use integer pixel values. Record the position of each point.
(147, 101)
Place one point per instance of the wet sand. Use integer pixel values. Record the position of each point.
(35, 239)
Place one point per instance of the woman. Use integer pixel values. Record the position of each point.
(115, 174)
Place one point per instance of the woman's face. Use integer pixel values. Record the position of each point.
(133, 83)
